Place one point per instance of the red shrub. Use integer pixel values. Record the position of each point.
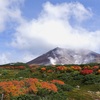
(86, 71)
(21, 67)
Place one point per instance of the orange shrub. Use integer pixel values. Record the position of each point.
(31, 85)
(95, 67)
(87, 67)
(49, 86)
(43, 69)
(61, 68)
(98, 71)
(58, 81)
(49, 71)
(77, 68)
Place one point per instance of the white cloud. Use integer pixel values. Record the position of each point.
(51, 29)
(10, 14)
(5, 58)
(66, 10)
(27, 57)
(9, 11)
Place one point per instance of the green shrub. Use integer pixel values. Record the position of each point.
(5, 72)
(52, 96)
(59, 96)
(64, 76)
(78, 77)
(43, 92)
(74, 73)
(91, 79)
(65, 87)
(26, 97)
(23, 73)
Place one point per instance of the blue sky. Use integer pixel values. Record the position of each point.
(29, 28)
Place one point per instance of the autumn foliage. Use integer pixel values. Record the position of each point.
(43, 69)
(77, 68)
(86, 71)
(41, 79)
(61, 68)
(58, 81)
(31, 85)
(14, 67)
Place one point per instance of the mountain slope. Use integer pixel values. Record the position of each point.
(66, 56)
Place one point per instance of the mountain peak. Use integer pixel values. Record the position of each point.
(58, 48)
(66, 56)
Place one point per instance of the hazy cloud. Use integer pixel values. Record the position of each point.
(57, 25)
(10, 11)
(53, 28)
(5, 58)
(10, 14)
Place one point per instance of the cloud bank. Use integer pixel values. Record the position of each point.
(54, 28)
(10, 16)
(5, 58)
(57, 25)
(10, 12)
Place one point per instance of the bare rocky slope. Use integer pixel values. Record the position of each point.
(66, 56)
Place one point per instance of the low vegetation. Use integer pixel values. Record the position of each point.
(61, 82)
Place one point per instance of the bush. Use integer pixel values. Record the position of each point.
(59, 96)
(75, 73)
(91, 79)
(86, 71)
(65, 87)
(52, 96)
(64, 76)
(43, 92)
(78, 77)
(26, 97)
(23, 73)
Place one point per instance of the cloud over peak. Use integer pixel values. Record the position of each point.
(53, 28)
(58, 25)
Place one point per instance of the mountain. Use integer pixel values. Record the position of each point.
(66, 56)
